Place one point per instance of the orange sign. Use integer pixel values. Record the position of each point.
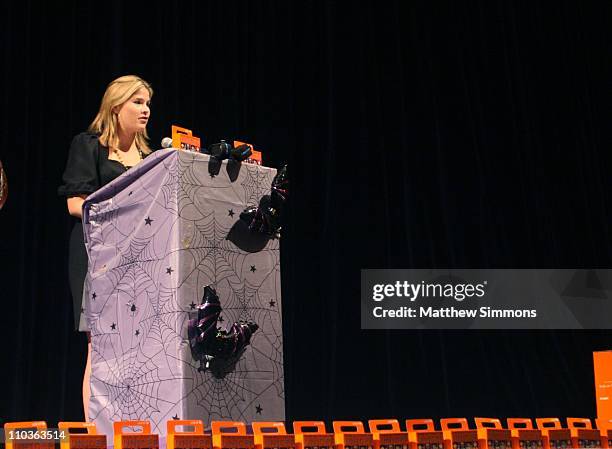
(255, 157)
(183, 139)
(602, 362)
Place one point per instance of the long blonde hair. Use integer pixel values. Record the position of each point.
(118, 92)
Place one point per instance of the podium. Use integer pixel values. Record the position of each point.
(155, 237)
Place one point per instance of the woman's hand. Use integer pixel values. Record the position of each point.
(75, 205)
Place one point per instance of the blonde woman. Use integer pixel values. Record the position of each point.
(115, 141)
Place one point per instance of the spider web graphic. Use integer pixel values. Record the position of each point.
(191, 188)
(239, 305)
(246, 303)
(130, 383)
(134, 272)
(136, 257)
(194, 177)
(170, 189)
(233, 394)
(219, 261)
(163, 318)
(101, 228)
(256, 184)
(105, 225)
(215, 257)
(227, 397)
(150, 279)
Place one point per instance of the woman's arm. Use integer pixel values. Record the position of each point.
(75, 205)
(81, 173)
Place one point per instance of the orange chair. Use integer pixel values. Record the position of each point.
(523, 434)
(231, 435)
(89, 439)
(422, 431)
(457, 433)
(311, 434)
(554, 434)
(134, 439)
(583, 434)
(351, 434)
(605, 427)
(604, 423)
(491, 433)
(272, 434)
(187, 439)
(387, 434)
(15, 431)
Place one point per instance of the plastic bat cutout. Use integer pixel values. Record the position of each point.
(208, 342)
(266, 218)
(224, 150)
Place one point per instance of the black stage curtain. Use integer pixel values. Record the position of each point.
(419, 134)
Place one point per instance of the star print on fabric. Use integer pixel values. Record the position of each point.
(272, 303)
(130, 194)
(137, 333)
(253, 269)
(192, 305)
(259, 409)
(175, 417)
(148, 221)
(220, 319)
(94, 296)
(169, 270)
(133, 308)
(231, 213)
(113, 326)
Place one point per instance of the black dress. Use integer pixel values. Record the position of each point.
(88, 169)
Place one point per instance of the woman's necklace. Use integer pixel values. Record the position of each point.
(120, 159)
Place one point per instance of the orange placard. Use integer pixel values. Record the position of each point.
(183, 139)
(255, 157)
(602, 362)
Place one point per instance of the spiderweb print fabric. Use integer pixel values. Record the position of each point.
(156, 236)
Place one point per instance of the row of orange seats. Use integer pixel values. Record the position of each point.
(454, 433)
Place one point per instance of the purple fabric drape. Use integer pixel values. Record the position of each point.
(155, 237)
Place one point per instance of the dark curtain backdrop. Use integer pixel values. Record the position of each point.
(419, 134)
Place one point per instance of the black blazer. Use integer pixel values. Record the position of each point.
(88, 167)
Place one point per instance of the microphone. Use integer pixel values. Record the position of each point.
(166, 142)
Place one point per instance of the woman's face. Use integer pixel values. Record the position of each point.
(133, 115)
